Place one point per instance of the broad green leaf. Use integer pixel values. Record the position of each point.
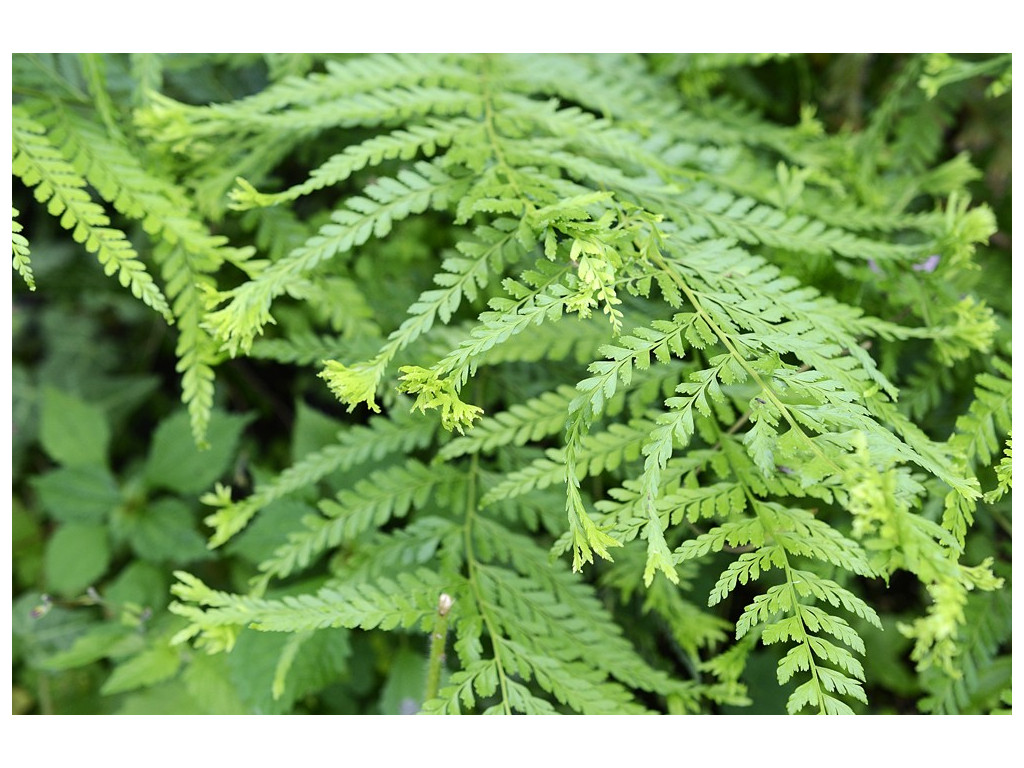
(78, 494)
(141, 584)
(73, 432)
(165, 531)
(77, 555)
(254, 662)
(208, 679)
(270, 530)
(168, 698)
(104, 641)
(176, 464)
(152, 666)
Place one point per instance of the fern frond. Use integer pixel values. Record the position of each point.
(371, 503)
(310, 348)
(147, 71)
(533, 420)
(464, 275)
(577, 665)
(196, 351)
(361, 90)
(1004, 473)
(778, 536)
(982, 668)
(187, 253)
(900, 539)
(598, 452)
(355, 446)
(403, 144)
(977, 438)
(43, 166)
(541, 299)
(388, 200)
(19, 246)
(740, 394)
(215, 617)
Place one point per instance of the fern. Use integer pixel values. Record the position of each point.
(658, 331)
(386, 201)
(97, 155)
(355, 446)
(57, 185)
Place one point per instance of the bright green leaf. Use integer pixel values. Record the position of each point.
(73, 432)
(175, 462)
(77, 555)
(78, 494)
(152, 666)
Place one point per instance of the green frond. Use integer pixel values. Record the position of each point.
(373, 501)
(19, 246)
(355, 446)
(978, 432)
(185, 250)
(309, 349)
(983, 669)
(541, 299)
(1004, 473)
(531, 421)
(366, 90)
(898, 538)
(147, 75)
(403, 144)
(598, 452)
(463, 276)
(94, 68)
(748, 222)
(942, 70)
(387, 200)
(215, 617)
(44, 167)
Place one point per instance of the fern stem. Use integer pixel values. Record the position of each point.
(471, 566)
(492, 135)
(790, 584)
(794, 597)
(438, 636)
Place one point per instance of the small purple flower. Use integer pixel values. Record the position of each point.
(928, 265)
(874, 267)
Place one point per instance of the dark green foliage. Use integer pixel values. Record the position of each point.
(608, 379)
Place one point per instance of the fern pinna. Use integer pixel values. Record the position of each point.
(653, 333)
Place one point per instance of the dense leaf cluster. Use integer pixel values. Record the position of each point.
(651, 388)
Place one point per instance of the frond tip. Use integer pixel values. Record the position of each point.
(432, 392)
(19, 245)
(352, 384)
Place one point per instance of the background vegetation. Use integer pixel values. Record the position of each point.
(112, 497)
